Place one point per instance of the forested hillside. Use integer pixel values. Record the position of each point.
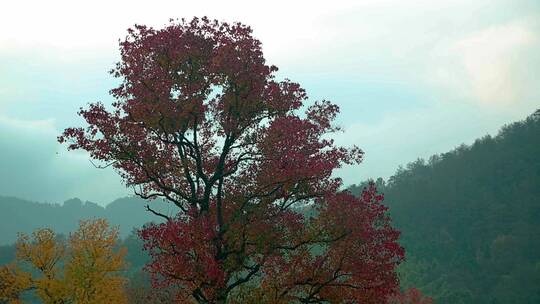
(470, 219)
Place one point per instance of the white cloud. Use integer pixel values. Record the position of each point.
(491, 66)
(44, 126)
(460, 57)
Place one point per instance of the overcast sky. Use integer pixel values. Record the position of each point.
(413, 78)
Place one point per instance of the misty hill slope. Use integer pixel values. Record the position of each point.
(470, 219)
(19, 215)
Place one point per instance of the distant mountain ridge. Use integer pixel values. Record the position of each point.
(18, 215)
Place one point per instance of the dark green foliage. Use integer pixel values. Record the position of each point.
(470, 219)
(136, 257)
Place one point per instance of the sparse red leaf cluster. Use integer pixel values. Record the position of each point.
(410, 296)
(200, 121)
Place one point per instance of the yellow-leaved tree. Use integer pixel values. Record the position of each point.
(92, 271)
(85, 269)
(12, 283)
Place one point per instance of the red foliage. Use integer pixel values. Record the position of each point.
(411, 296)
(201, 122)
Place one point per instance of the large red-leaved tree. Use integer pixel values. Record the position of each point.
(200, 121)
